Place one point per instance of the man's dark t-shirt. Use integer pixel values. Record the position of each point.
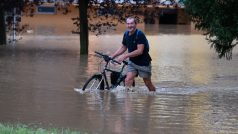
(131, 42)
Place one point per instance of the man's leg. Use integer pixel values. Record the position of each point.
(130, 76)
(149, 84)
(145, 73)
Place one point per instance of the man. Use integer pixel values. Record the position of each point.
(138, 53)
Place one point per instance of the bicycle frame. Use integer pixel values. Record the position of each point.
(106, 69)
(100, 80)
(105, 78)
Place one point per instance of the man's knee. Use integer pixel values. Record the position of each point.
(130, 78)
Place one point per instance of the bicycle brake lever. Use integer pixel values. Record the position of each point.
(125, 62)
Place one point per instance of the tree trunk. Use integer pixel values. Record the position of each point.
(83, 6)
(2, 28)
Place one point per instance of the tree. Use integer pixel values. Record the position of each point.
(7, 6)
(2, 28)
(109, 9)
(219, 20)
(83, 26)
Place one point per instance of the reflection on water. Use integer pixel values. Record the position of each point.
(196, 92)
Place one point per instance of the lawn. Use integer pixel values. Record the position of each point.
(24, 129)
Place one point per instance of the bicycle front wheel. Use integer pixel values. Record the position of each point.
(94, 82)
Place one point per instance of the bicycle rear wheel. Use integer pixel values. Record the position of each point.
(94, 82)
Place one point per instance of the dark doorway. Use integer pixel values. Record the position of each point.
(168, 16)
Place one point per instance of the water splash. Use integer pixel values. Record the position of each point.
(142, 90)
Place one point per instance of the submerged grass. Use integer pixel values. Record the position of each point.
(24, 129)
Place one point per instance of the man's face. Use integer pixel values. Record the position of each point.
(131, 25)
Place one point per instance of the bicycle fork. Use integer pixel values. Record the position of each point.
(104, 79)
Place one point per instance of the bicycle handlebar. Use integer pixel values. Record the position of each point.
(108, 58)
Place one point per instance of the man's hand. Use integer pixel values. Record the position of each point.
(138, 51)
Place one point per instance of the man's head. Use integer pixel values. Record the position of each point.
(131, 24)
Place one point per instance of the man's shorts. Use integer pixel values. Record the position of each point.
(142, 71)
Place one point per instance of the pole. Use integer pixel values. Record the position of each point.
(2, 28)
(14, 25)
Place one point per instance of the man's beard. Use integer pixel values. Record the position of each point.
(131, 29)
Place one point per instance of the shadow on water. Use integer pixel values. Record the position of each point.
(196, 92)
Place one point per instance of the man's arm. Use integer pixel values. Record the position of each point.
(119, 51)
(137, 52)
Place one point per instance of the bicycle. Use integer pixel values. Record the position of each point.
(100, 80)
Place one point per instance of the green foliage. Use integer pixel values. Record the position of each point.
(219, 20)
(24, 129)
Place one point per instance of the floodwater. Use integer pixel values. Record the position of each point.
(196, 91)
